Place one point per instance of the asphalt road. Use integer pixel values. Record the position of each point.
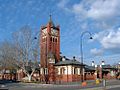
(117, 88)
(24, 86)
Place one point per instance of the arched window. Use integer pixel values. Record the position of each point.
(56, 40)
(51, 39)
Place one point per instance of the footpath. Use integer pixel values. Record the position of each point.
(91, 85)
(101, 88)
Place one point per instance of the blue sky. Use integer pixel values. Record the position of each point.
(100, 17)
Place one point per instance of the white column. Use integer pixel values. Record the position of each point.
(78, 71)
(69, 70)
(41, 71)
(58, 70)
(72, 70)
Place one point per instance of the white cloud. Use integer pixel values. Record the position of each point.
(62, 4)
(98, 15)
(96, 51)
(97, 9)
(109, 40)
(84, 26)
(103, 9)
(103, 14)
(112, 40)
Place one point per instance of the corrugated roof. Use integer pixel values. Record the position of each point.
(89, 68)
(108, 67)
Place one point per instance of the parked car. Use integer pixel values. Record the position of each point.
(2, 85)
(118, 76)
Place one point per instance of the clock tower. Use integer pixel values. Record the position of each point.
(49, 48)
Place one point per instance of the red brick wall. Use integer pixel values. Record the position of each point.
(76, 78)
(64, 78)
(68, 78)
(108, 76)
(9, 76)
(53, 47)
(90, 76)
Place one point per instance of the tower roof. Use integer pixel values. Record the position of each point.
(50, 21)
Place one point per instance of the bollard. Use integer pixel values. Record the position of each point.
(84, 84)
(104, 84)
(97, 81)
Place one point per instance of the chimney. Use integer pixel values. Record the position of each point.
(103, 62)
(74, 58)
(63, 58)
(93, 64)
(119, 63)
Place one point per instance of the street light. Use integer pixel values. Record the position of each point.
(81, 49)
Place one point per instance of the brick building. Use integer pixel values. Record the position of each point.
(68, 70)
(55, 68)
(50, 50)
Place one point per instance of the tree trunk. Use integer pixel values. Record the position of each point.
(29, 78)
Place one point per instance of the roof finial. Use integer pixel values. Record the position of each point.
(50, 18)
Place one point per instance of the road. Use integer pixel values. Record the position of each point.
(117, 88)
(111, 85)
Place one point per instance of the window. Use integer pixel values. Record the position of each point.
(56, 40)
(75, 70)
(44, 39)
(62, 71)
(51, 39)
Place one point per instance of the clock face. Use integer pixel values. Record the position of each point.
(54, 31)
(44, 31)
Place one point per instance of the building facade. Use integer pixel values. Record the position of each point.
(50, 49)
(56, 68)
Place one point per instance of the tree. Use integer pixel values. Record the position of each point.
(7, 61)
(26, 48)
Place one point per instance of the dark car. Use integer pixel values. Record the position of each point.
(2, 85)
(118, 76)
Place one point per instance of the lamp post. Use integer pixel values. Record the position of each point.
(81, 50)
